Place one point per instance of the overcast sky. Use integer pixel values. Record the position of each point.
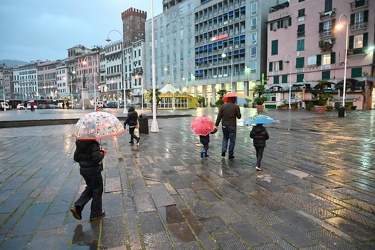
(33, 30)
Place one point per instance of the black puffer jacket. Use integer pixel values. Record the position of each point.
(259, 135)
(132, 118)
(89, 156)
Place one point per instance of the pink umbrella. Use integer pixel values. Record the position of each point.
(202, 125)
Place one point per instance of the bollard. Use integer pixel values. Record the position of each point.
(341, 111)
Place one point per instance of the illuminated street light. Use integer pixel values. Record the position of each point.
(122, 67)
(339, 26)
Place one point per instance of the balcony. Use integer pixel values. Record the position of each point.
(326, 34)
(327, 14)
(358, 26)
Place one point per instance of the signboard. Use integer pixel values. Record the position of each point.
(219, 37)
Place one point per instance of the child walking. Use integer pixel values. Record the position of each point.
(89, 155)
(205, 140)
(259, 135)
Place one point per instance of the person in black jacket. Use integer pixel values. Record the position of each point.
(228, 113)
(259, 135)
(132, 121)
(205, 140)
(89, 155)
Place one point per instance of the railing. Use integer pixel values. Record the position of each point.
(358, 26)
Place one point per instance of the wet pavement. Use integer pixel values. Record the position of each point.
(316, 190)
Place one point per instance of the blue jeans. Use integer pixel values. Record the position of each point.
(229, 133)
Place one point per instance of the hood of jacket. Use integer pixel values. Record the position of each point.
(131, 108)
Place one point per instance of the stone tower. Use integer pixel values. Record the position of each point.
(133, 25)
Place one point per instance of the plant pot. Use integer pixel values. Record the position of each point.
(294, 108)
(320, 109)
(260, 108)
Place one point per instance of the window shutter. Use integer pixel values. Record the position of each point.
(365, 16)
(365, 40)
(318, 60)
(270, 66)
(352, 18)
(276, 80)
(281, 65)
(351, 42)
(290, 21)
(333, 57)
(320, 27)
(284, 79)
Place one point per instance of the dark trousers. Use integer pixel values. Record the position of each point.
(205, 147)
(229, 133)
(94, 191)
(259, 154)
(132, 135)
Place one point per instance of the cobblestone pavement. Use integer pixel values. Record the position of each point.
(316, 190)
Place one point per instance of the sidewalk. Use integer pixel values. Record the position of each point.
(316, 190)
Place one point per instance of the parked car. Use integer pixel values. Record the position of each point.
(111, 105)
(20, 106)
(4, 105)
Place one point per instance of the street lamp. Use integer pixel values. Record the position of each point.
(93, 80)
(172, 76)
(224, 55)
(154, 123)
(72, 74)
(122, 67)
(290, 79)
(339, 26)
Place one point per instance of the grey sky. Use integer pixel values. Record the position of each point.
(44, 29)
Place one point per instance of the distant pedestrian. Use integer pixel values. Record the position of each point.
(63, 105)
(259, 135)
(205, 140)
(228, 113)
(25, 105)
(132, 121)
(89, 155)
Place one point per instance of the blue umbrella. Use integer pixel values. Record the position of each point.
(241, 100)
(259, 119)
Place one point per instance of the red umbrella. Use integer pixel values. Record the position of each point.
(235, 94)
(202, 125)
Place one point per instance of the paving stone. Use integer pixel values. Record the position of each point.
(113, 233)
(249, 234)
(150, 222)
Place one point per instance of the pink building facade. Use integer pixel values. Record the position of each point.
(305, 45)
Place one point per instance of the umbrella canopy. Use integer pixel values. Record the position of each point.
(202, 125)
(235, 94)
(259, 119)
(96, 126)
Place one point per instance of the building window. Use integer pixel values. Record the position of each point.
(356, 72)
(358, 41)
(253, 53)
(284, 79)
(327, 5)
(254, 8)
(301, 30)
(253, 23)
(274, 47)
(276, 80)
(253, 37)
(300, 44)
(326, 59)
(300, 77)
(253, 67)
(326, 75)
(300, 62)
(301, 12)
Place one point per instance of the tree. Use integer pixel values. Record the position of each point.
(221, 94)
(259, 89)
(157, 95)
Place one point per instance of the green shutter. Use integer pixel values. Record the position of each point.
(333, 57)
(318, 60)
(281, 65)
(300, 77)
(274, 47)
(352, 18)
(270, 66)
(351, 42)
(290, 21)
(365, 16)
(356, 72)
(365, 40)
(284, 79)
(320, 27)
(326, 75)
(276, 80)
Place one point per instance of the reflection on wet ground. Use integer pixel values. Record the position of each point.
(316, 190)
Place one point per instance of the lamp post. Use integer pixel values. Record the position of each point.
(224, 55)
(339, 26)
(172, 76)
(122, 67)
(93, 80)
(154, 124)
(3, 83)
(290, 79)
(72, 74)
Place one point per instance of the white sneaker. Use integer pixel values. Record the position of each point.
(138, 143)
(258, 168)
